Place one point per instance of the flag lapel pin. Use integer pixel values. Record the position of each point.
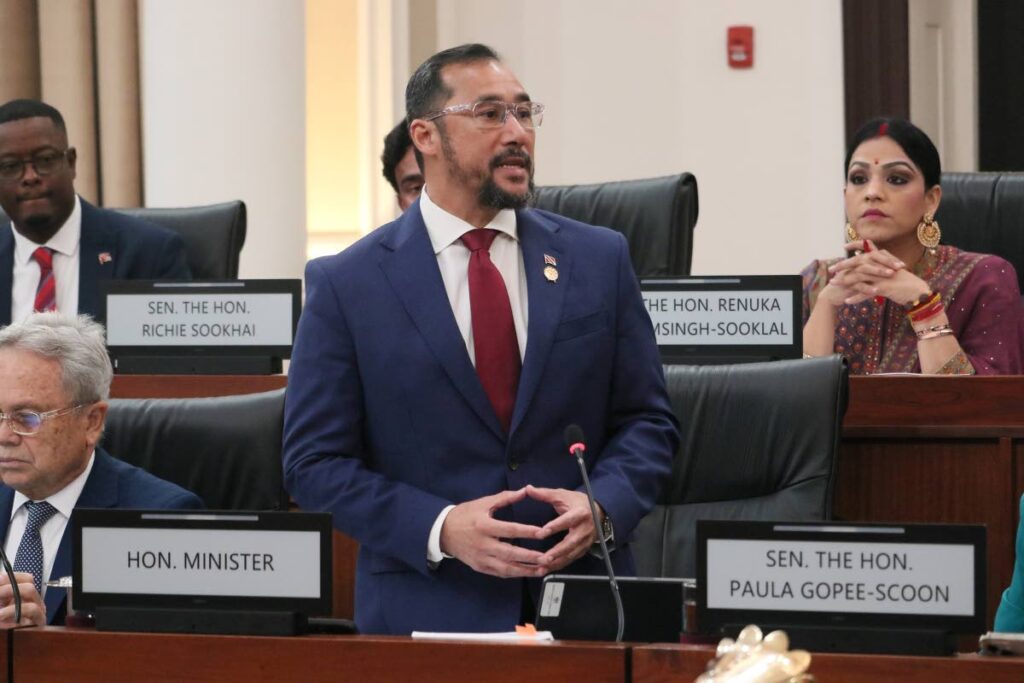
(550, 268)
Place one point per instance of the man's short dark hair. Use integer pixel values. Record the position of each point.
(16, 110)
(425, 90)
(396, 144)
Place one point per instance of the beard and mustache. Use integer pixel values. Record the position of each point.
(490, 194)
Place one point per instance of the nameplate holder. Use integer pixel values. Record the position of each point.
(255, 573)
(210, 327)
(725, 319)
(882, 588)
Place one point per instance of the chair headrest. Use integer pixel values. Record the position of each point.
(657, 216)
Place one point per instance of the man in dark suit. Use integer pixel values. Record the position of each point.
(438, 364)
(54, 382)
(57, 248)
(399, 165)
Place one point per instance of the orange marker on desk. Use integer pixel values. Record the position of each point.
(880, 300)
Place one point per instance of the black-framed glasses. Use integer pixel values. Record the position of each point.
(29, 422)
(44, 163)
(493, 113)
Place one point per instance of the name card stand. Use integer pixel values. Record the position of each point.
(167, 571)
(198, 365)
(209, 621)
(234, 327)
(725, 319)
(839, 587)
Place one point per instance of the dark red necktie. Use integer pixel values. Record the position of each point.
(46, 292)
(494, 333)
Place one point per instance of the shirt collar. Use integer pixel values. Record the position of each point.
(65, 499)
(444, 229)
(64, 241)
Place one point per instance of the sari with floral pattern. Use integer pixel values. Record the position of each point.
(982, 301)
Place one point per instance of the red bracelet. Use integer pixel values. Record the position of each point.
(923, 302)
(927, 313)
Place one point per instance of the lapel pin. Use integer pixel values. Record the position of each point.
(105, 257)
(550, 271)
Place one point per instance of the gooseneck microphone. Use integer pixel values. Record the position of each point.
(15, 590)
(577, 446)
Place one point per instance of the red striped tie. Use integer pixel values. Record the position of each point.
(494, 333)
(46, 293)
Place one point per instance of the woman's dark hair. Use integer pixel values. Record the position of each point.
(912, 139)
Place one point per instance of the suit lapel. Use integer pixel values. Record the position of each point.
(96, 239)
(100, 491)
(410, 266)
(6, 272)
(538, 237)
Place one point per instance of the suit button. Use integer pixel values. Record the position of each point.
(513, 464)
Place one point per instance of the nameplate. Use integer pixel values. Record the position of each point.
(755, 315)
(134, 558)
(240, 313)
(879, 571)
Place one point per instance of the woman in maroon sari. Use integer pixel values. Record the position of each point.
(900, 301)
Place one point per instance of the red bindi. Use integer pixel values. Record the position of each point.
(876, 162)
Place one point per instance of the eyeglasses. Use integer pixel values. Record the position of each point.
(29, 422)
(44, 163)
(493, 113)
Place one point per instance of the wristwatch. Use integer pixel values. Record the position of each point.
(607, 530)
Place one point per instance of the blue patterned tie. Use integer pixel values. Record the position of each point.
(30, 550)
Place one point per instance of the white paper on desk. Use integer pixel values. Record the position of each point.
(506, 637)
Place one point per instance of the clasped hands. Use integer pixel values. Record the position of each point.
(869, 273)
(33, 609)
(472, 535)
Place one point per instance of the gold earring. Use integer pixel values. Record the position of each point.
(851, 234)
(928, 233)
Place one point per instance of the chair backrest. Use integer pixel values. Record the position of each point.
(214, 235)
(227, 450)
(984, 212)
(759, 442)
(657, 216)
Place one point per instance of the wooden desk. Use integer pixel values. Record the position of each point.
(676, 663)
(937, 449)
(84, 656)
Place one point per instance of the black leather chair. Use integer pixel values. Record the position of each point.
(984, 212)
(657, 216)
(227, 450)
(760, 441)
(214, 235)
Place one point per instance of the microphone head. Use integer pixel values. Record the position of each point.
(573, 435)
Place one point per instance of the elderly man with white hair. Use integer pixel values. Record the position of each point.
(54, 384)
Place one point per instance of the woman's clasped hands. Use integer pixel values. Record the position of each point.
(871, 272)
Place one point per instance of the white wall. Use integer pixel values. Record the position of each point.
(641, 88)
(223, 117)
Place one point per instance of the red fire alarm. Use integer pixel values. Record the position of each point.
(739, 46)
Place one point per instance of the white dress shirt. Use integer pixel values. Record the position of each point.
(66, 258)
(53, 529)
(445, 231)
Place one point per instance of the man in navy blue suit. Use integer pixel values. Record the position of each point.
(54, 383)
(56, 236)
(440, 359)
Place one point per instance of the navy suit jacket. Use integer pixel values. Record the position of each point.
(138, 250)
(111, 484)
(386, 421)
